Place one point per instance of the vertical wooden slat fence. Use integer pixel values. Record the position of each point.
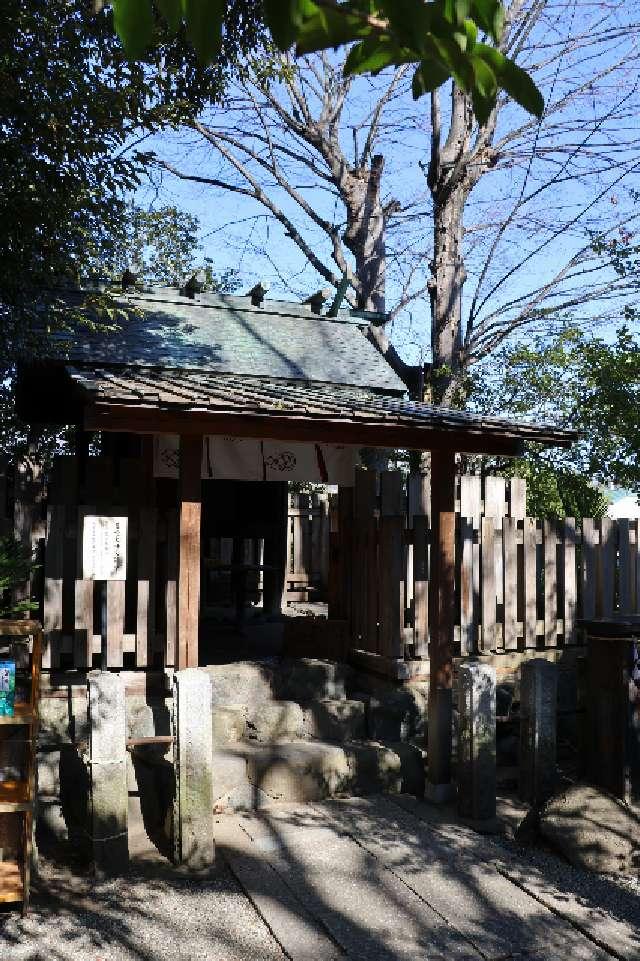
(521, 582)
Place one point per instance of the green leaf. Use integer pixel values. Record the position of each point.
(171, 10)
(485, 79)
(515, 81)
(451, 56)
(204, 26)
(409, 20)
(374, 54)
(133, 22)
(429, 75)
(489, 14)
(326, 28)
(286, 19)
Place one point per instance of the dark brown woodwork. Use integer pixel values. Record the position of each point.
(320, 430)
(189, 561)
(441, 616)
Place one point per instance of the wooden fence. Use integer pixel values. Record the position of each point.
(307, 575)
(521, 583)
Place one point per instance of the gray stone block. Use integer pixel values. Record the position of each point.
(593, 830)
(276, 720)
(193, 811)
(62, 720)
(306, 679)
(229, 772)
(110, 799)
(228, 724)
(244, 683)
(107, 716)
(109, 791)
(374, 768)
(335, 720)
(538, 713)
(413, 761)
(299, 771)
(393, 716)
(477, 741)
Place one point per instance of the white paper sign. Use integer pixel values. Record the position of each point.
(104, 548)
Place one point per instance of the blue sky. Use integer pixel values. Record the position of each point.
(589, 150)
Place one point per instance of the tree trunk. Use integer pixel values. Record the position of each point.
(364, 235)
(448, 280)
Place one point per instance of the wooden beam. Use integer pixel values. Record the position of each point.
(441, 621)
(150, 420)
(189, 551)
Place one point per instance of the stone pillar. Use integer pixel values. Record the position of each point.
(538, 709)
(109, 794)
(477, 742)
(193, 811)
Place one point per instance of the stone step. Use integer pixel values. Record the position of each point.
(332, 719)
(313, 770)
(307, 679)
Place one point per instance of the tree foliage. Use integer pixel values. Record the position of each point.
(443, 39)
(160, 245)
(583, 382)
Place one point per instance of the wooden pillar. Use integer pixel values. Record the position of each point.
(275, 551)
(441, 621)
(190, 497)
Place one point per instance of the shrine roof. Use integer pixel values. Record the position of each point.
(160, 327)
(230, 397)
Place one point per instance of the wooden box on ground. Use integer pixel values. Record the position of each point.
(18, 794)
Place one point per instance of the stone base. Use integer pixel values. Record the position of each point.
(438, 793)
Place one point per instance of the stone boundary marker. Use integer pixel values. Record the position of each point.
(477, 742)
(538, 705)
(193, 806)
(108, 752)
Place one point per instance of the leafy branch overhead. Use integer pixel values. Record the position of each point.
(457, 39)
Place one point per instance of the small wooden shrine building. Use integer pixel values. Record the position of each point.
(194, 394)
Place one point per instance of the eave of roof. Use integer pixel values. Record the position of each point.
(140, 399)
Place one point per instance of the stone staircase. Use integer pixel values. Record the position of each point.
(299, 730)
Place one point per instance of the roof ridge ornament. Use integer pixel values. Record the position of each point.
(258, 292)
(317, 300)
(195, 284)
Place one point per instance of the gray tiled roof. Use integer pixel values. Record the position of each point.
(228, 334)
(232, 394)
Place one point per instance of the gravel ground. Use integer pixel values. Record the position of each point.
(138, 919)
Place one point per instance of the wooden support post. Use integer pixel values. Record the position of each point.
(189, 562)
(441, 621)
(275, 551)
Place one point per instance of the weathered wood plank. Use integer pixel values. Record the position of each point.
(590, 592)
(115, 622)
(530, 582)
(467, 606)
(488, 555)
(146, 600)
(171, 588)
(510, 568)
(518, 498)
(53, 583)
(625, 583)
(550, 541)
(570, 585)
(608, 545)
(189, 486)
(83, 606)
(420, 585)
(391, 586)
